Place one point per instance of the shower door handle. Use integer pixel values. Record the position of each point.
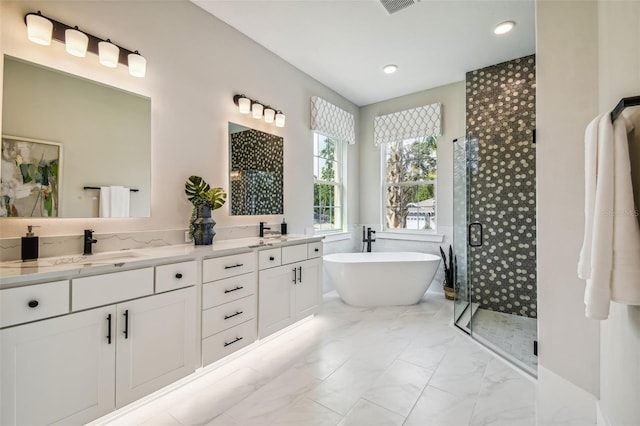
(470, 229)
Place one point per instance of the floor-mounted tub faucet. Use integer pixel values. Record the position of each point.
(88, 241)
(367, 237)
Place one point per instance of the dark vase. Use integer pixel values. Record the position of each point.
(203, 231)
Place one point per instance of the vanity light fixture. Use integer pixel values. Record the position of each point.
(256, 110)
(269, 115)
(39, 28)
(42, 30)
(76, 42)
(108, 53)
(259, 110)
(504, 27)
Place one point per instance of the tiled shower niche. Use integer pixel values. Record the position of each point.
(501, 108)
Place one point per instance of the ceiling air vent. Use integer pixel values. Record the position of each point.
(394, 6)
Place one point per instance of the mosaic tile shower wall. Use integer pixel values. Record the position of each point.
(256, 173)
(501, 105)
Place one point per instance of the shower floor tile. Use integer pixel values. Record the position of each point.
(512, 334)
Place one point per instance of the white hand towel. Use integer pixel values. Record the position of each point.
(598, 292)
(105, 201)
(590, 156)
(120, 200)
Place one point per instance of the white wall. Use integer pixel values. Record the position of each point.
(452, 97)
(196, 63)
(567, 99)
(619, 68)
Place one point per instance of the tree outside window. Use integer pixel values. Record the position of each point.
(410, 184)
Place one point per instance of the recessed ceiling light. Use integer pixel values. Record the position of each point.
(504, 27)
(390, 69)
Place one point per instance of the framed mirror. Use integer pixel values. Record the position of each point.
(255, 172)
(102, 133)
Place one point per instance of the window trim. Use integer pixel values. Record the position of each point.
(341, 170)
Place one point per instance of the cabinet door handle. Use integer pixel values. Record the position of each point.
(316, 249)
(109, 329)
(239, 287)
(234, 266)
(33, 303)
(237, 339)
(178, 275)
(272, 258)
(126, 324)
(300, 274)
(233, 315)
(295, 275)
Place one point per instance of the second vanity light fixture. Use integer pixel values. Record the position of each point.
(258, 110)
(42, 30)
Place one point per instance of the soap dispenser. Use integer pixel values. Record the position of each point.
(283, 227)
(30, 244)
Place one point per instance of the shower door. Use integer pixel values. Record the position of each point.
(494, 242)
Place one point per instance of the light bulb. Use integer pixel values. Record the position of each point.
(280, 119)
(269, 115)
(244, 105)
(504, 27)
(137, 64)
(39, 29)
(108, 53)
(256, 110)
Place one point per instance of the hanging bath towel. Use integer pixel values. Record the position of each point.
(610, 256)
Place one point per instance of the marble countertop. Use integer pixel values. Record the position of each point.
(16, 273)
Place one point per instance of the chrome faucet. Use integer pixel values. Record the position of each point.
(366, 237)
(262, 229)
(88, 241)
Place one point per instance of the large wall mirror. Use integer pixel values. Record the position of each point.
(71, 146)
(255, 171)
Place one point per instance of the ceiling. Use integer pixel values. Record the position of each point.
(345, 43)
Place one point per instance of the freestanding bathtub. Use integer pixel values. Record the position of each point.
(381, 279)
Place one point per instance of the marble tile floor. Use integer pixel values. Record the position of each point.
(354, 366)
(512, 334)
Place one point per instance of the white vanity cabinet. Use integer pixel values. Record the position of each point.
(108, 352)
(228, 305)
(290, 281)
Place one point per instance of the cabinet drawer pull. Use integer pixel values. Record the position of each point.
(234, 289)
(109, 329)
(234, 266)
(316, 249)
(33, 303)
(178, 275)
(237, 339)
(300, 274)
(233, 315)
(295, 275)
(272, 258)
(126, 324)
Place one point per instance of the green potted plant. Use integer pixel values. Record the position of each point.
(450, 273)
(204, 199)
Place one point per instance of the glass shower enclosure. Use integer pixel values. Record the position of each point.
(494, 243)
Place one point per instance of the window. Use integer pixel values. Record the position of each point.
(328, 185)
(409, 184)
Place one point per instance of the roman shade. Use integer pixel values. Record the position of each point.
(332, 121)
(410, 123)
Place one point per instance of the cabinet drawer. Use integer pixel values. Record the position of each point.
(105, 289)
(314, 249)
(176, 275)
(228, 341)
(230, 314)
(292, 254)
(269, 258)
(227, 290)
(34, 302)
(227, 266)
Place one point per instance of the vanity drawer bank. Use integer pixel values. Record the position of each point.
(80, 338)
